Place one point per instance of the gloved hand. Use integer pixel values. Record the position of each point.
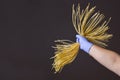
(84, 43)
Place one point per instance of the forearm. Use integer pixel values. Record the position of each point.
(107, 58)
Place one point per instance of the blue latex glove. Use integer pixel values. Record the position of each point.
(84, 43)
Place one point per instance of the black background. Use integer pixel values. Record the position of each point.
(28, 29)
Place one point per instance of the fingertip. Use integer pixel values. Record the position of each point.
(77, 35)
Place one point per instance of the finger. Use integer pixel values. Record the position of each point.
(77, 36)
(77, 40)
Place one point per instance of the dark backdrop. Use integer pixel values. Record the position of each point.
(28, 29)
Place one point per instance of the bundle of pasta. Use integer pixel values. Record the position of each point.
(87, 23)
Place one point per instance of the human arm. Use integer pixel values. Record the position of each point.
(107, 58)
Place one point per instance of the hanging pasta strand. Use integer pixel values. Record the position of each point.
(87, 23)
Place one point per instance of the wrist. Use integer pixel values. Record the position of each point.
(88, 47)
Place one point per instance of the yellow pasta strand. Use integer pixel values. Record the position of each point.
(65, 54)
(88, 24)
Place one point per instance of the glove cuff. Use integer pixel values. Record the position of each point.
(88, 47)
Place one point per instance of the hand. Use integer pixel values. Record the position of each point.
(84, 43)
